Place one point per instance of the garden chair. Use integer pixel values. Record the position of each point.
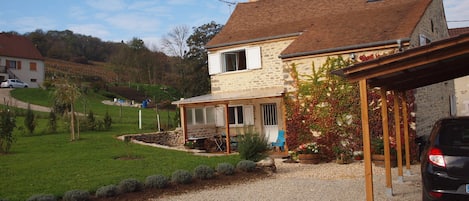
(280, 143)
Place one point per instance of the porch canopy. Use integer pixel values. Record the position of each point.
(421, 66)
(225, 98)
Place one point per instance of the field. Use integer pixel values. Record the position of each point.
(49, 163)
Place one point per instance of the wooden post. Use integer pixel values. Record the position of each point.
(183, 122)
(387, 155)
(406, 133)
(366, 141)
(227, 130)
(397, 124)
(284, 115)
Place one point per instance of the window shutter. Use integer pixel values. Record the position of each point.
(253, 57)
(248, 115)
(220, 116)
(214, 63)
(18, 63)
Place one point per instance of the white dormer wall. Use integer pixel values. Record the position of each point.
(263, 67)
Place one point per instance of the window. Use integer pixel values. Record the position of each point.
(32, 66)
(424, 40)
(248, 58)
(234, 61)
(235, 115)
(200, 116)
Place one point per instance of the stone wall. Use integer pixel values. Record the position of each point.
(201, 131)
(168, 138)
(270, 75)
(432, 102)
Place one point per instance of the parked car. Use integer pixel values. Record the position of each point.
(13, 83)
(445, 166)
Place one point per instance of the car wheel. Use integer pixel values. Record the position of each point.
(11, 86)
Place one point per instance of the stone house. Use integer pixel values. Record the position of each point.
(249, 60)
(461, 84)
(20, 59)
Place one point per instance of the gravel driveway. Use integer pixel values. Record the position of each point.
(327, 181)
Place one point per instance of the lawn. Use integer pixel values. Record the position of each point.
(50, 164)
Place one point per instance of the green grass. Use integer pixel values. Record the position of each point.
(53, 164)
(50, 164)
(127, 116)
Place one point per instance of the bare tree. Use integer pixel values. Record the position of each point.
(174, 43)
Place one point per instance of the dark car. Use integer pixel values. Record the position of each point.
(445, 163)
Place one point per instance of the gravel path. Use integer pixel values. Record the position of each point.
(6, 99)
(327, 181)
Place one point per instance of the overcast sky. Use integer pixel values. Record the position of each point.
(117, 20)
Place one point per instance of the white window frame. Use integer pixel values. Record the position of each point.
(192, 117)
(217, 61)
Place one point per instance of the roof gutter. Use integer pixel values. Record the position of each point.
(344, 48)
(253, 40)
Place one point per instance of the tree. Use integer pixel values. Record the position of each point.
(174, 43)
(67, 93)
(30, 120)
(52, 124)
(197, 57)
(7, 124)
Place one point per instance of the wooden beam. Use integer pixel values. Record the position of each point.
(397, 124)
(406, 132)
(227, 130)
(183, 121)
(284, 115)
(366, 141)
(387, 155)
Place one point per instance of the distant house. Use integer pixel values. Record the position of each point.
(20, 59)
(249, 59)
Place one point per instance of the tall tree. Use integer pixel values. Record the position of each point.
(197, 57)
(67, 93)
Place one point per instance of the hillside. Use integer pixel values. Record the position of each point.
(94, 69)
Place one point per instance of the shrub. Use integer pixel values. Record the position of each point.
(7, 124)
(107, 121)
(246, 165)
(156, 181)
(204, 172)
(2, 199)
(130, 185)
(252, 146)
(52, 124)
(107, 191)
(225, 168)
(90, 121)
(181, 177)
(30, 121)
(76, 195)
(42, 197)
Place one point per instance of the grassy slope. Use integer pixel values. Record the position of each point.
(50, 163)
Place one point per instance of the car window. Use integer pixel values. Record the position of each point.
(455, 134)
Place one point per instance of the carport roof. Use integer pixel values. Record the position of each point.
(225, 97)
(417, 67)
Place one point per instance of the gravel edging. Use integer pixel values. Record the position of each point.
(326, 181)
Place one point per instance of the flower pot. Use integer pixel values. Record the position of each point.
(378, 160)
(309, 158)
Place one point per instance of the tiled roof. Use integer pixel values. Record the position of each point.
(322, 24)
(18, 46)
(458, 31)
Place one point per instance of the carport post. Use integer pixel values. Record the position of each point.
(387, 155)
(406, 133)
(397, 122)
(227, 130)
(366, 140)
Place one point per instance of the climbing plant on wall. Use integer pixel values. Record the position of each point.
(324, 109)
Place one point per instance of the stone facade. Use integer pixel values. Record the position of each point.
(270, 75)
(432, 102)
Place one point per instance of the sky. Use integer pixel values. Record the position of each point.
(149, 20)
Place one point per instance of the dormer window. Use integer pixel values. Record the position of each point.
(233, 61)
(239, 59)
